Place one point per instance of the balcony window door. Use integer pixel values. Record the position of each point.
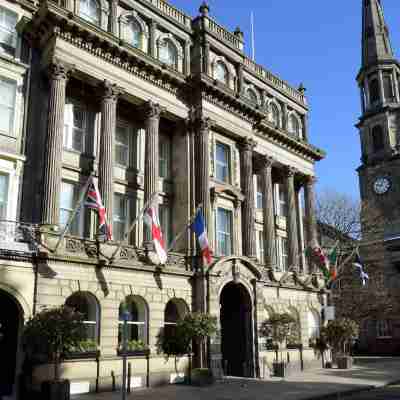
(164, 157)
(122, 145)
(224, 232)
(222, 162)
(7, 106)
(69, 197)
(75, 120)
(164, 212)
(8, 33)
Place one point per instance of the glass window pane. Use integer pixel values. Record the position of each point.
(222, 162)
(6, 119)
(67, 196)
(3, 195)
(122, 145)
(168, 53)
(224, 232)
(164, 157)
(221, 73)
(8, 21)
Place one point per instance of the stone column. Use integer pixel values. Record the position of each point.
(202, 165)
(151, 166)
(248, 207)
(113, 19)
(309, 202)
(152, 41)
(380, 76)
(240, 79)
(206, 58)
(109, 97)
(58, 76)
(285, 125)
(291, 220)
(187, 58)
(305, 127)
(268, 213)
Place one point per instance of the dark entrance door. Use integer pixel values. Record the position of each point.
(9, 322)
(236, 330)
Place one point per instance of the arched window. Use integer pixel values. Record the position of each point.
(275, 115)
(168, 53)
(221, 73)
(90, 11)
(377, 138)
(252, 96)
(87, 304)
(313, 325)
(374, 91)
(175, 310)
(134, 33)
(294, 126)
(137, 334)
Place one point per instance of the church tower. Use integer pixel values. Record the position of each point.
(379, 127)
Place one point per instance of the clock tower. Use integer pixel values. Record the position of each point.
(379, 128)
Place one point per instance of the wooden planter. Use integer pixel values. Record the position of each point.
(82, 355)
(134, 353)
(344, 362)
(52, 390)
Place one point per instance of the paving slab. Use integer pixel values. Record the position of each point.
(316, 384)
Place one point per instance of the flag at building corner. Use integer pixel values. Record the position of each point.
(199, 228)
(315, 252)
(150, 218)
(93, 201)
(360, 269)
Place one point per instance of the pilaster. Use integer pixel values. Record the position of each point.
(268, 213)
(113, 19)
(248, 207)
(58, 75)
(109, 98)
(293, 242)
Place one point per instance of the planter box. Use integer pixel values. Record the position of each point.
(135, 353)
(279, 369)
(345, 362)
(52, 390)
(202, 377)
(82, 355)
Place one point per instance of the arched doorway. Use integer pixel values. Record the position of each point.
(10, 319)
(236, 330)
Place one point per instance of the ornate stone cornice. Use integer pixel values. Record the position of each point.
(110, 91)
(59, 70)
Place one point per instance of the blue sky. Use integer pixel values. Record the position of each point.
(318, 43)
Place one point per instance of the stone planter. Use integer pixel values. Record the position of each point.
(344, 362)
(279, 369)
(202, 377)
(55, 390)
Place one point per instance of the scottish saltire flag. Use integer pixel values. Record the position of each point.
(150, 218)
(93, 201)
(360, 269)
(199, 228)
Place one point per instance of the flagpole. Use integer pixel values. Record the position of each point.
(74, 212)
(180, 234)
(133, 224)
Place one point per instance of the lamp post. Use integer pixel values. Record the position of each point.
(126, 316)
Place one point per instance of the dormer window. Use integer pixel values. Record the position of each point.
(8, 34)
(374, 91)
(221, 73)
(168, 53)
(89, 10)
(252, 96)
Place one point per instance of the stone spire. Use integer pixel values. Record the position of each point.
(376, 45)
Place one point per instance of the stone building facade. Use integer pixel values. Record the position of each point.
(149, 99)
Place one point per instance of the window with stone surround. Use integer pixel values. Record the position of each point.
(90, 11)
(283, 253)
(387, 87)
(222, 163)
(121, 215)
(259, 192)
(138, 321)
(8, 33)
(87, 304)
(260, 247)
(164, 154)
(168, 53)
(281, 200)
(383, 329)
(135, 37)
(75, 123)
(275, 115)
(69, 197)
(164, 212)
(8, 91)
(294, 126)
(122, 145)
(175, 310)
(224, 231)
(221, 72)
(4, 186)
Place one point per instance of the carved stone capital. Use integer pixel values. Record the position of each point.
(310, 180)
(58, 70)
(152, 110)
(289, 171)
(247, 144)
(204, 124)
(267, 162)
(110, 91)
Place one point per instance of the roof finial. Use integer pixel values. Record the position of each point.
(239, 33)
(302, 89)
(204, 9)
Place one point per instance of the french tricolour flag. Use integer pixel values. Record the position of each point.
(199, 228)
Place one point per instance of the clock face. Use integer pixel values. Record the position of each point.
(381, 185)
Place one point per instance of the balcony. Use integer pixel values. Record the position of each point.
(18, 237)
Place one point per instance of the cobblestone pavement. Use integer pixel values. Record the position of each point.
(310, 385)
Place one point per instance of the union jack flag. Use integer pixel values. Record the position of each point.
(93, 201)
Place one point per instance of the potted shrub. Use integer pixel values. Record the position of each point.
(339, 334)
(277, 328)
(52, 333)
